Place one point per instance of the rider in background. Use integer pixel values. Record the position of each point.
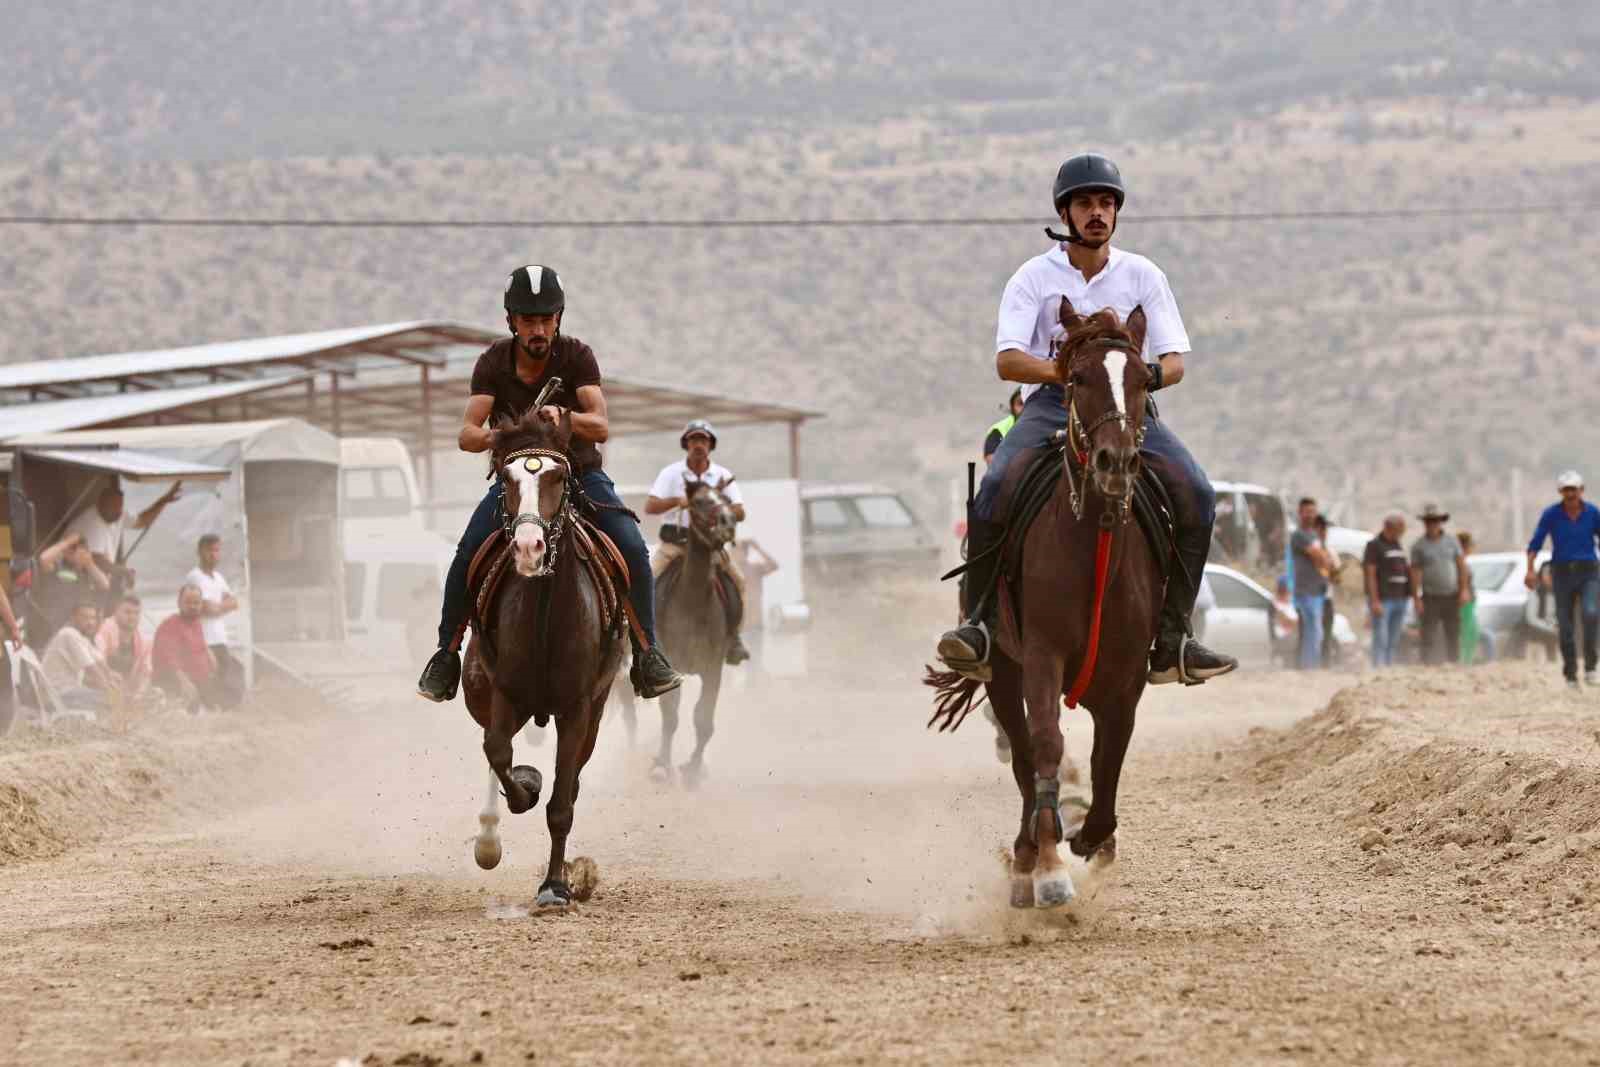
(1573, 526)
(505, 383)
(1092, 275)
(669, 494)
(998, 431)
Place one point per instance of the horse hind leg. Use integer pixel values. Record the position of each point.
(1010, 717)
(661, 770)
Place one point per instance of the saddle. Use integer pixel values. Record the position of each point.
(597, 553)
(727, 592)
(1025, 494)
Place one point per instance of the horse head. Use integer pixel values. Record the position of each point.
(529, 455)
(1098, 363)
(711, 518)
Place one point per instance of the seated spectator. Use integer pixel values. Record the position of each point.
(74, 667)
(125, 649)
(182, 665)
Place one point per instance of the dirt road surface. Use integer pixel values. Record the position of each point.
(1401, 869)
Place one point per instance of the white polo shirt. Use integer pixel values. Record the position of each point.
(1030, 308)
(103, 538)
(213, 587)
(669, 484)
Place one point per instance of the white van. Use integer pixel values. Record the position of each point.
(394, 567)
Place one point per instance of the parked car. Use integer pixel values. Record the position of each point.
(857, 522)
(1241, 622)
(1503, 601)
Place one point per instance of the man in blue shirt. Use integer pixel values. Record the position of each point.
(1573, 527)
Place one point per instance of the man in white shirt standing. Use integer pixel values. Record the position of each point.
(668, 494)
(217, 600)
(101, 528)
(1084, 268)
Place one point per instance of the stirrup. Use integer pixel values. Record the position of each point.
(977, 669)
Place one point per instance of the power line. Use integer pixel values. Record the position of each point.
(788, 223)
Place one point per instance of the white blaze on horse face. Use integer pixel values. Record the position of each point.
(528, 542)
(1116, 365)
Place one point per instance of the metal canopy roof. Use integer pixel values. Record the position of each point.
(402, 379)
(129, 465)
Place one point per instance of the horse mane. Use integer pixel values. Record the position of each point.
(528, 431)
(1103, 325)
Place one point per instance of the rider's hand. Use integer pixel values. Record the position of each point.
(1531, 580)
(550, 413)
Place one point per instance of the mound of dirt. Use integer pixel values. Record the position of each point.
(1493, 767)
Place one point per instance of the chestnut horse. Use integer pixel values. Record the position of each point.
(1051, 650)
(544, 651)
(694, 623)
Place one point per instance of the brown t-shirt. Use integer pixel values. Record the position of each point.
(570, 360)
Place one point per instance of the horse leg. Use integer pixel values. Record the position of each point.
(1042, 671)
(571, 739)
(486, 846)
(705, 723)
(521, 784)
(661, 770)
(630, 713)
(1005, 698)
(1113, 729)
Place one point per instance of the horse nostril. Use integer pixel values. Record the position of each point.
(1102, 461)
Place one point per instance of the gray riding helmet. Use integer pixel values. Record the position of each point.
(697, 426)
(534, 290)
(1088, 170)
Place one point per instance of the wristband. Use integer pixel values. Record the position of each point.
(1155, 375)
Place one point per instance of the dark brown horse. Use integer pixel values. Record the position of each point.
(545, 651)
(694, 624)
(1040, 655)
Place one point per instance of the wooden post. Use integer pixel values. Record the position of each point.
(333, 392)
(794, 449)
(427, 435)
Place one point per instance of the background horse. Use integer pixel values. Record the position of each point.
(1040, 656)
(544, 652)
(694, 624)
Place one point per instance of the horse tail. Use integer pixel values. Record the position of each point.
(957, 696)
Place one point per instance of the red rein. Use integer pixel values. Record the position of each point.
(1102, 568)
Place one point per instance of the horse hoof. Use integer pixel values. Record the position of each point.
(529, 779)
(661, 773)
(1052, 889)
(692, 775)
(554, 894)
(1022, 891)
(486, 850)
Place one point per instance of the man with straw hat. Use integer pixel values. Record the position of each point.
(1439, 581)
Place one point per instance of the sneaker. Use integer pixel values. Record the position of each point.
(1198, 661)
(652, 675)
(737, 653)
(1572, 684)
(965, 650)
(440, 677)
(1591, 679)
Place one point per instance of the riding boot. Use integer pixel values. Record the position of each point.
(440, 677)
(651, 674)
(1178, 657)
(965, 649)
(737, 653)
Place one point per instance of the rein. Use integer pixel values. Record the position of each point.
(554, 528)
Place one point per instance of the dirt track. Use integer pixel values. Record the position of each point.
(832, 894)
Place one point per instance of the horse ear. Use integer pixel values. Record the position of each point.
(724, 483)
(1136, 327)
(1068, 316)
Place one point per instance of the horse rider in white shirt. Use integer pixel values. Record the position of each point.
(669, 495)
(1092, 275)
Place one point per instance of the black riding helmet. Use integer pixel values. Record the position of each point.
(534, 290)
(1085, 172)
(698, 426)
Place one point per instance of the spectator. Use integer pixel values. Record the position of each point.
(1573, 527)
(1308, 579)
(74, 667)
(65, 576)
(181, 663)
(217, 600)
(1472, 638)
(998, 431)
(1439, 585)
(1330, 647)
(125, 649)
(100, 528)
(1388, 583)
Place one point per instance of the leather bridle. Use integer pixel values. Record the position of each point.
(1080, 437)
(555, 527)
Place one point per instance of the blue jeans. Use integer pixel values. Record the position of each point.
(1386, 630)
(1193, 499)
(1309, 608)
(618, 525)
(1577, 582)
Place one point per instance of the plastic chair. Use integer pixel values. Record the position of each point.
(53, 707)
